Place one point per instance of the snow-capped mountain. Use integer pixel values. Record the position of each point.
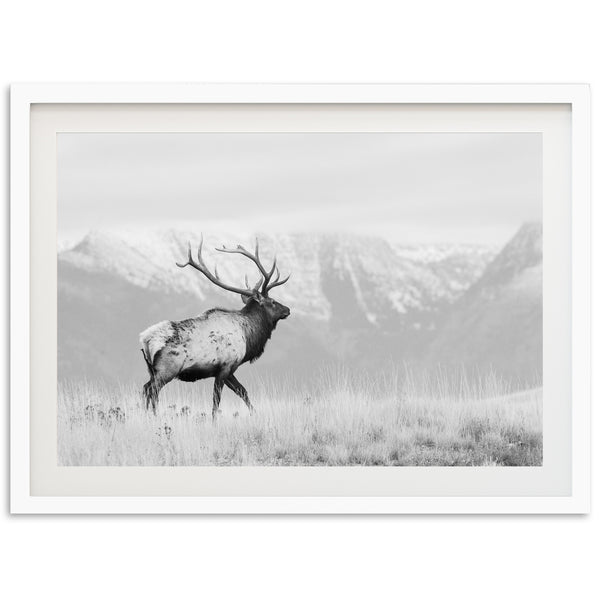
(498, 322)
(347, 294)
(381, 276)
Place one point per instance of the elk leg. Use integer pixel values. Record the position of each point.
(150, 393)
(217, 389)
(235, 386)
(151, 389)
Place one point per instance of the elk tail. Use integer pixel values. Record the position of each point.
(148, 363)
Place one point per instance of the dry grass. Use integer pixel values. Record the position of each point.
(399, 419)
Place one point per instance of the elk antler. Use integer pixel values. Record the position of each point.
(200, 265)
(266, 275)
(269, 286)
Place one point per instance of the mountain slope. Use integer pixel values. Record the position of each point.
(356, 300)
(498, 323)
(404, 278)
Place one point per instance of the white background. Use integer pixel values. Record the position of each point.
(281, 557)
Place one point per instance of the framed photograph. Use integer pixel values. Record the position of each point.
(300, 299)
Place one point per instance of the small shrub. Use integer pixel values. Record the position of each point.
(475, 428)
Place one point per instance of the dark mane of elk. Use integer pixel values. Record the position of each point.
(258, 331)
(217, 342)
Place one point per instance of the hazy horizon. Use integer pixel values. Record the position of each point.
(236, 234)
(433, 188)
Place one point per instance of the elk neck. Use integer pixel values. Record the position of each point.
(258, 328)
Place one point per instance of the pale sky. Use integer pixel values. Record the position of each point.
(407, 187)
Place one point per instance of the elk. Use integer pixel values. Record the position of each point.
(218, 341)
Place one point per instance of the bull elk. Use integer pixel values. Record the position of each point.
(218, 341)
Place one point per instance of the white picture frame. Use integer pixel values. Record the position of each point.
(25, 96)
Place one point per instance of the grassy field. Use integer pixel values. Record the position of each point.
(397, 419)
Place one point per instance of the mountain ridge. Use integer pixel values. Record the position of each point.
(347, 293)
(501, 316)
(149, 261)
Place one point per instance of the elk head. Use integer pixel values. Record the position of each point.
(259, 293)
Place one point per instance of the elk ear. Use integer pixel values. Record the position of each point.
(253, 298)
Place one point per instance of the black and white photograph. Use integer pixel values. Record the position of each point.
(300, 299)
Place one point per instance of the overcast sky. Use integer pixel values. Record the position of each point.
(411, 187)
